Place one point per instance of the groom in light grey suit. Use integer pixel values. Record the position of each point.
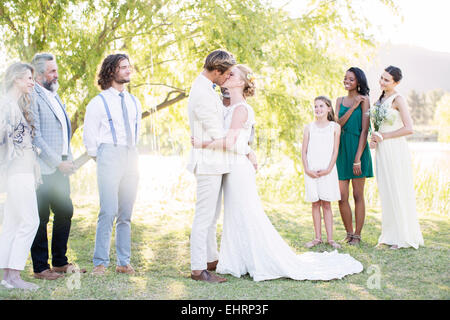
(206, 119)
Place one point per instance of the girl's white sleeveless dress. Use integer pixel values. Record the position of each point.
(400, 225)
(320, 151)
(250, 244)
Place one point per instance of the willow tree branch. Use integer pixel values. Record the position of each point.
(166, 103)
(158, 84)
(5, 15)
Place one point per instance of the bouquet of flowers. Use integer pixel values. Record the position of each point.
(380, 114)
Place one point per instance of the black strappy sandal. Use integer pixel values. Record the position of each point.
(355, 237)
(348, 238)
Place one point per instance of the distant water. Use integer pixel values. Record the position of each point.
(431, 154)
(427, 157)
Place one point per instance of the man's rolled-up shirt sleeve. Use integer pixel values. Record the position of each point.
(91, 130)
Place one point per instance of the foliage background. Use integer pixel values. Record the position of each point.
(294, 59)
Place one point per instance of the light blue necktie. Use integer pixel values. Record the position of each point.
(126, 121)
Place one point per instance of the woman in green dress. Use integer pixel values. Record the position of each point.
(354, 161)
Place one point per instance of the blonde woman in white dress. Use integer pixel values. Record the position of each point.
(400, 226)
(19, 175)
(319, 153)
(250, 244)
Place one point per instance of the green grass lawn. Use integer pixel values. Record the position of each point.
(160, 254)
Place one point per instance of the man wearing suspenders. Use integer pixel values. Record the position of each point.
(111, 132)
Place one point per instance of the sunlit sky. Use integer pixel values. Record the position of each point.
(423, 23)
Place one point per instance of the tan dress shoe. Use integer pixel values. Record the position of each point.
(68, 268)
(208, 277)
(47, 275)
(128, 269)
(212, 266)
(99, 270)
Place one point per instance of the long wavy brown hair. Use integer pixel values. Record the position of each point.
(17, 71)
(109, 69)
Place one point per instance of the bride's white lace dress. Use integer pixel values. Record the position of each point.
(250, 243)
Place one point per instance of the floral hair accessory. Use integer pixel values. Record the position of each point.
(250, 77)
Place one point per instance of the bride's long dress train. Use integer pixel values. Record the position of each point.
(250, 243)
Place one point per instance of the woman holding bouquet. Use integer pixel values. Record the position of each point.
(400, 226)
(354, 161)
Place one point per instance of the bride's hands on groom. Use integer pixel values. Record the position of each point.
(252, 157)
(196, 143)
(199, 144)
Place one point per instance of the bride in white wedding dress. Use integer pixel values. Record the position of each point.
(250, 244)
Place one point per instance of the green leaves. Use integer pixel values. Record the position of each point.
(294, 57)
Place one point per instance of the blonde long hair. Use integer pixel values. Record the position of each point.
(249, 82)
(17, 71)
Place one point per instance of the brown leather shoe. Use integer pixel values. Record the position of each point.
(68, 268)
(99, 270)
(211, 266)
(47, 275)
(208, 277)
(128, 269)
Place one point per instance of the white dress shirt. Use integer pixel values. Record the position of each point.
(97, 129)
(51, 96)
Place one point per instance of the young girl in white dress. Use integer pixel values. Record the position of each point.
(250, 243)
(400, 226)
(319, 153)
